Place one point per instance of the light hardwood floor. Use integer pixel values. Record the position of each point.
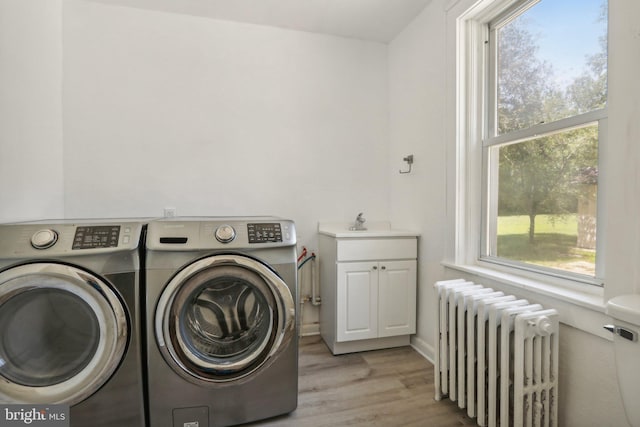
(392, 387)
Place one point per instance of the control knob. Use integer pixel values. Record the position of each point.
(225, 234)
(43, 239)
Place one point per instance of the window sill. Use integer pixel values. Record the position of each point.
(583, 309)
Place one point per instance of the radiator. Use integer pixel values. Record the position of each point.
(496, 355)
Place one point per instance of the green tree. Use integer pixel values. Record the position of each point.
(525, 92)
(588, 92)
(540, 176)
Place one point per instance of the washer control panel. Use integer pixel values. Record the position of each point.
(264, 232)
(98, 236)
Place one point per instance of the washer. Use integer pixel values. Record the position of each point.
(221, 316)
(69, 319)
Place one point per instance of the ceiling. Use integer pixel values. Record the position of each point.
(375, 20)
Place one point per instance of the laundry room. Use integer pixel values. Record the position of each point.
(306, 110)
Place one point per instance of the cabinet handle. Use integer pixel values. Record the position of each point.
(383, 267)
(375, 267)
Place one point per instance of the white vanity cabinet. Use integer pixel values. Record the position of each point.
(368, 289)
(375, 299)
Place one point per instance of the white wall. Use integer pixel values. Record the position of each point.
(422, 97)
(220, 118)
(231, 119)
(416, 126)
(31, 167)
(589, 393)
(622, 153)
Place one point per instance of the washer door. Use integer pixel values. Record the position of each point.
(63, 332)
(223, 318)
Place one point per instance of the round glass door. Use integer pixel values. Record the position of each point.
(223, 318)
(63, 332)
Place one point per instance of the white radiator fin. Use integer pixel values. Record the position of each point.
(496, 355)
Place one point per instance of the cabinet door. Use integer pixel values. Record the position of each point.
(357, 301)
(397, 298)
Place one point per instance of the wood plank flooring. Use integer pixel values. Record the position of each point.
(392, 387)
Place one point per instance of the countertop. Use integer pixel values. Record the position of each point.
(373, 229)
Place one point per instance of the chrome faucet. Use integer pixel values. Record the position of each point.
(358, 225)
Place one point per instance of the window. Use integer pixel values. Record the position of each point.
(543, 106)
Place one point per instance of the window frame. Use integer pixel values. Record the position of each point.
(476, 126)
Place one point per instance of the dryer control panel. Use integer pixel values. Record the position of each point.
(230, 233)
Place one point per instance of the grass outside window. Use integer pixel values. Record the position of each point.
(555, 243)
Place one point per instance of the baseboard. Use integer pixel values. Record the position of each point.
(423, 347)
(310, 329)
(368, 344)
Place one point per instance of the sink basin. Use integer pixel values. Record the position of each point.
(373, 229)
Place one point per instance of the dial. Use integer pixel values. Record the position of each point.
(43, 239)
(225, 233)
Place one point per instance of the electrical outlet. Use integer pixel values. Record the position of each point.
(169, 212)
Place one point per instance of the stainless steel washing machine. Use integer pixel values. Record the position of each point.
(69, 319)
(221, 316)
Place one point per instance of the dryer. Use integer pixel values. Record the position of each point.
(69, 319)
(222, 346)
